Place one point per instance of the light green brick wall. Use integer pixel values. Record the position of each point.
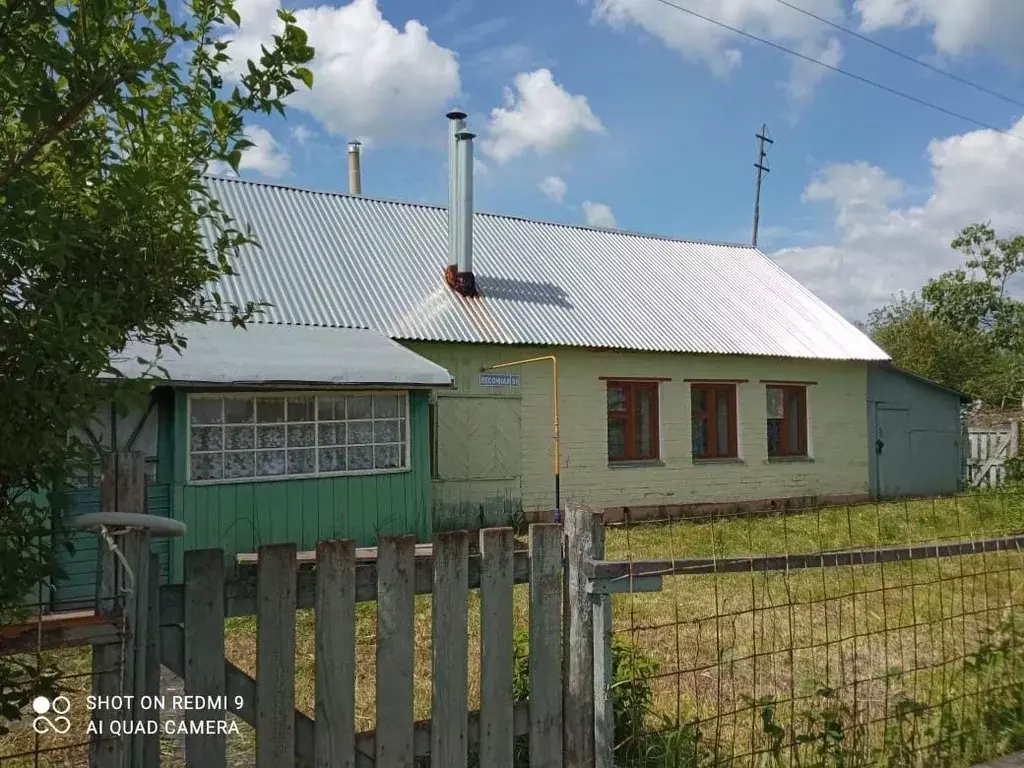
(837, 427)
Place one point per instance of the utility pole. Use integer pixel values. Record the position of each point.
(762, 168)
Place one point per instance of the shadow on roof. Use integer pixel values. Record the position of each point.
(527, 291)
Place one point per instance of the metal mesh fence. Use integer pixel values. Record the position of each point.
(47, 653)
(907, 648)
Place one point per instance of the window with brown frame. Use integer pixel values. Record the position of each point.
(632, 420)
(713, 417)
(787, 420)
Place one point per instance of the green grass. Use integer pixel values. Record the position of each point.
(858, 641)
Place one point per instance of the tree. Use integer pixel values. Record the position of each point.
(110, 113)
(965, 331)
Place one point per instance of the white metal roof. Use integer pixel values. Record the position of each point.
(338, 260)
(263, 353)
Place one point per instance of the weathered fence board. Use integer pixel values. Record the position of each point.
(989, 448)
(545, 646)
(335, 654)
(204, 651)
(579, 651)
(395, 643)
(496, 647)
(450, 647)
(275, 656)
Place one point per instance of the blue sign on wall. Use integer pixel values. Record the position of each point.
(499, 379)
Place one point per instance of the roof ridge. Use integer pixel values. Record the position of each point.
(508, 216)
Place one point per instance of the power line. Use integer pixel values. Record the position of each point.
(841, 71)
(902, 55)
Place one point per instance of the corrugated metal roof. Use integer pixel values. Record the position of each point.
(262, 353)
(339, 260)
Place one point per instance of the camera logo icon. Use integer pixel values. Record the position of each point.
(60, 706)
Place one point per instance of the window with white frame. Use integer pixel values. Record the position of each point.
(239, 437)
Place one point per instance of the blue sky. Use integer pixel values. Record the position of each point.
(645, 117)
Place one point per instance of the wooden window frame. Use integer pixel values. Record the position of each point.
(713, 391)
(631, 387)
(787, 451)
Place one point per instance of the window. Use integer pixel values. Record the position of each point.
(713, 414)
(787, 420)
(632, 420)
(237, 437)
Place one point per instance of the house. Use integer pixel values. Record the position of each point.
(268, 434)
(689, 373)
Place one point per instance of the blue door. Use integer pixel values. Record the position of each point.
(892, 452)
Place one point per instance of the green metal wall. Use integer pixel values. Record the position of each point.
(239, 517)
(919, 426)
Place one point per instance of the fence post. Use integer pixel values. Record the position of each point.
(604, 715)
(450, 603)
(151, 748)
(496, 647)
(579, 650)
(275, 656)
(396, 563)
(122, 489)
(204, 651)
(334, 725)
(545, 646)
(1014, 439)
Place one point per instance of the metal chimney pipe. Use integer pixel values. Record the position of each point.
(355, 177)
(456, 123)
(464, 147)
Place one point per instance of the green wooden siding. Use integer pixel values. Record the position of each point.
(239, 517)
(78, 588)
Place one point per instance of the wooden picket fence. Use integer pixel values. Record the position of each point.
(192, 644)
(988, 450)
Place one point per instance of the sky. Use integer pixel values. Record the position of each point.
(635, 115)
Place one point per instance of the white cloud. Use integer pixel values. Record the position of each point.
(554, 188)
(266, 156)
(539, 115)
(957, 25)
(598, 214)
(885, 243)
(804, 76)
(718, 48)
(302, 134)
(370, 78)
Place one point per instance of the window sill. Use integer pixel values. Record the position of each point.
(790, 460)
(631, 464)
(719, 460)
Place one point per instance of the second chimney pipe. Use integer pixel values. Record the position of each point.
(456, 123)
(464, 155)
(355, 177)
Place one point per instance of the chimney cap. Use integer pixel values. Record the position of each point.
(465, 133)
(456, 114)
(354, 145)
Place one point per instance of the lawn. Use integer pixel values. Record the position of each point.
(727, 650)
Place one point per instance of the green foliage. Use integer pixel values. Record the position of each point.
(110, 113)
(965, 330)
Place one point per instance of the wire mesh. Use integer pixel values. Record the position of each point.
(41, 655)
(896, 662)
